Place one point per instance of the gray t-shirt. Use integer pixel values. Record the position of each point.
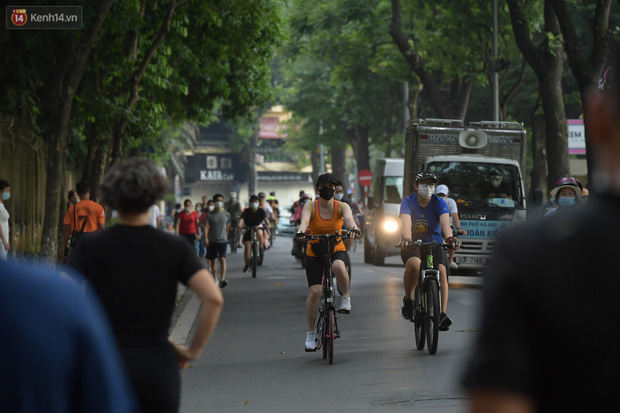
(217, 222)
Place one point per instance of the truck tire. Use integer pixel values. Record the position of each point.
(368, 252)
(379, 257)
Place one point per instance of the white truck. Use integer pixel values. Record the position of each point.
(482, 165)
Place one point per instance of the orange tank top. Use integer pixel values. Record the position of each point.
(319, 226)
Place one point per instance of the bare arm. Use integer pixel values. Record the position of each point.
(485, 401)
(457, 223)
(405, 220)
(212, 301)
(306, 213)
(347, 216)
(444, 222)
(177, 226)
(4, 239)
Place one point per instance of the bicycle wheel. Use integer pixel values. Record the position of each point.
(331, 322)
(318, 331)
(432, 315)
(418, 323)
(254, 259)
(231, 241)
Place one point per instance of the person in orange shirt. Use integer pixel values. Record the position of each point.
(84, 217)
(325, 216)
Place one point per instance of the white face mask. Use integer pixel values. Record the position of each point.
(254, 205)
(188, 209)
(219, 205)
(210, 208)
(425, 191)
(339, 196)
(496, 182)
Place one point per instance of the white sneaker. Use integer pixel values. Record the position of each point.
(454, 266)
(345, 304)
(310, 341)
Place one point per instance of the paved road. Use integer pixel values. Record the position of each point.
(255, 361)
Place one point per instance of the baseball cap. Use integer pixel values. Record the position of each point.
(442, 189)
(425, 175)
(327, 178)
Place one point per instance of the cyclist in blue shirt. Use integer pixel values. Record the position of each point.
(424, 216)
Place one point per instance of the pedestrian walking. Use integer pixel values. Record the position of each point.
(5, 190)
(187, 223)
(217, 225)
(84, 217)
(64, 357)
(134, 269)
(552, 282)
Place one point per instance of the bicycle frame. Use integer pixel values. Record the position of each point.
(327, 318)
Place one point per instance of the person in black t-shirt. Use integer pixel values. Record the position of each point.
(250, 217)
(548, 340)
(134, 268)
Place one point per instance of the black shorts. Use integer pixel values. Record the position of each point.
(314, 267)
(439, 256)
(216, 249)
(248, 233)
(191, 238)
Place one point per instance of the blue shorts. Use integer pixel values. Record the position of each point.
(215, 250)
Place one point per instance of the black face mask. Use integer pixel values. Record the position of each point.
(327, 193)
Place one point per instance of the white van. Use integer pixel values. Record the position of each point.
(383, 228)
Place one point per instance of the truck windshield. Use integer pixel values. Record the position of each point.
(393, 189)
(480, 183)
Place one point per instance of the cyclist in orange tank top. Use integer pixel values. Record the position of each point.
(325, 216)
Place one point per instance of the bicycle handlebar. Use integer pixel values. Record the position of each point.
(345, 234)
(417, 244)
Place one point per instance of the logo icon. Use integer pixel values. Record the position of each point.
(19, 17)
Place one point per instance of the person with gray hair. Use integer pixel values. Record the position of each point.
(134, 268)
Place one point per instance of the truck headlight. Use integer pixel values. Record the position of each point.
(390, 226)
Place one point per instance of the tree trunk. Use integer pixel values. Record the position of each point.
(57, 133)
(134, 82)
(446, 104)
(546, 60)
(339, 163)
(587, 71)
(539, 171)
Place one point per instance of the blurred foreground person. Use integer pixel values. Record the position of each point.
(548, 340)
(58, 353)
(134, 268)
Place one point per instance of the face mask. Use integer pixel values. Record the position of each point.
(233, 199)
(567, 201)
(425, 191)
(254, 205)
(352, 199)
(496, 182)
(326, 193)
(219, 205)
(444, 197)
(188, 209)
(339, 196)
(6, 195)
(210, 207)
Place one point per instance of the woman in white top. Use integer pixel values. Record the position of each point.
(442, 192)
(5, 190)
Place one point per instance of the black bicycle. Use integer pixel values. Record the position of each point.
(256, 255)
(233, 238)
(426, 300)
(326, 330)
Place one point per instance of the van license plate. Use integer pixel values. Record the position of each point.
(470, 260)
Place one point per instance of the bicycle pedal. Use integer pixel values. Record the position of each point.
(310, 350)
(344, 311)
